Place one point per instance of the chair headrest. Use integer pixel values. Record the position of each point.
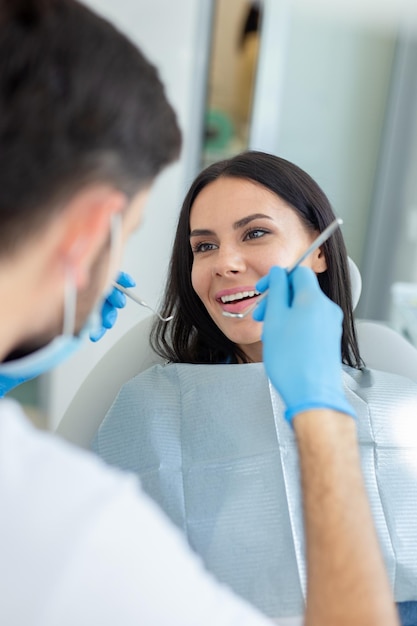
(356, 282)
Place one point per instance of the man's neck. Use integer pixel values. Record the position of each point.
(13, 311)
(22, 295)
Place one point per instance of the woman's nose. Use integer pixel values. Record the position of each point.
(229, 260)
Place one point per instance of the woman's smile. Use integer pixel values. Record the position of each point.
(237, 299)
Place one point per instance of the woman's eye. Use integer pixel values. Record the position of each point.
(255, 233)
(203, 247)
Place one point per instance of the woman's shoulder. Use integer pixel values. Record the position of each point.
(231, 376)
(170, 381)
(181, 372)
(367, 378)
(150, 385)
(379, 387)
(384, 400)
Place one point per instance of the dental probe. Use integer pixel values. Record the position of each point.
(140, 302)
(316, 243)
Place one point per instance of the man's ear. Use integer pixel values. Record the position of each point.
(86, 223)
(319, 263)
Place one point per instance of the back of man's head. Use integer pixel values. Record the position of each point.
(78, 104)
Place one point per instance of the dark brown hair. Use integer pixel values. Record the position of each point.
(192, 336)
(79, 104)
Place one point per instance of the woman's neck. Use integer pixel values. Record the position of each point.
(253, 351)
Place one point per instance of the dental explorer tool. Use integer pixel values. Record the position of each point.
(316, 243)
(140, 302)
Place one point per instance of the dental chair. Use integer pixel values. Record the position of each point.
(132, 354)
(381, 348)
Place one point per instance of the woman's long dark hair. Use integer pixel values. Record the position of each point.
(192, 336)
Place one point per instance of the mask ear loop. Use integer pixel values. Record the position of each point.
(70, 304)
(115, 246)
(70, 292)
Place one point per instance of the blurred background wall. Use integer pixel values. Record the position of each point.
(331, 86)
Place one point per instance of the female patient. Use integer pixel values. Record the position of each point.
(239, 218)
(211, 446)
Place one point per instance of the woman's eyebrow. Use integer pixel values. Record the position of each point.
(206, 232)
(202, 232)
(250, 218)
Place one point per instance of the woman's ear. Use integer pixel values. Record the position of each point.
(319, 263)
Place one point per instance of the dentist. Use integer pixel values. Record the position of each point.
(85, 128)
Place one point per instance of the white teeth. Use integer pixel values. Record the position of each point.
(239, 296)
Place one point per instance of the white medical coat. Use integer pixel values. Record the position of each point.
(81, 545)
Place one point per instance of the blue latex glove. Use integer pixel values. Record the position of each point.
(115, 300)
(302, 341)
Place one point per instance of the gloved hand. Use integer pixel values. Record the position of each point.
(302, 341)
(115, 300)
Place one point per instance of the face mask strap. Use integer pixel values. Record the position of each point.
(70, 292)
(115, 244)
(70, 304)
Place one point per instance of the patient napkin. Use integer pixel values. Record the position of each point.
(210, 444)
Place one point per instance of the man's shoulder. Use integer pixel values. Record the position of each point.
(54, 497)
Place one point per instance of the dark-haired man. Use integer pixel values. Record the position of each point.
(84, 129)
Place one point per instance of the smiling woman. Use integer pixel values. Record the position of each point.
(240, 217)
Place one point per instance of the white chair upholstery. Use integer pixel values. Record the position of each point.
(356, 282)
(131, 355)
(380, 347)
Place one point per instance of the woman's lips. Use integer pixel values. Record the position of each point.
(237, 300)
